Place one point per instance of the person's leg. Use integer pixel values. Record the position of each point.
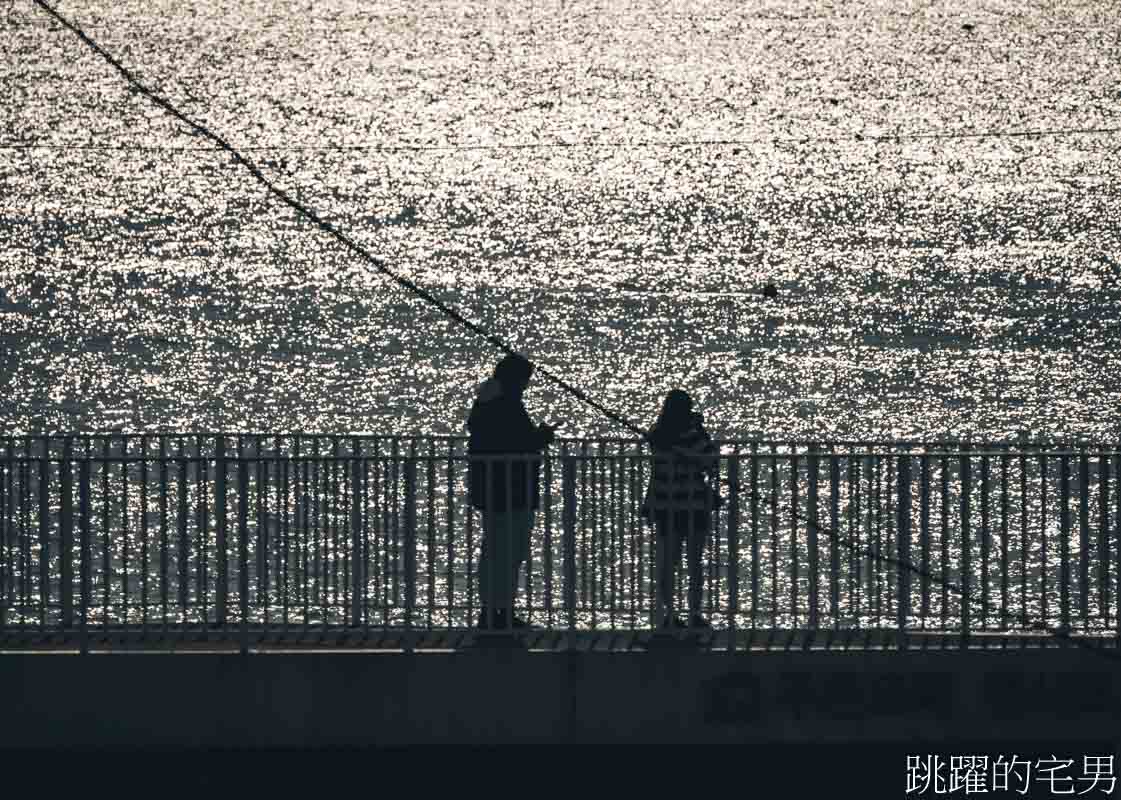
(504, 557)
(698, 530)
(486, 570)
(662, 574)
(669, 543)
(520, 528)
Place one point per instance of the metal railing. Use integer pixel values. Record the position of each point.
(253, 538)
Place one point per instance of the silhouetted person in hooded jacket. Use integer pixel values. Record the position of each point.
(679, 501)
(506, 489)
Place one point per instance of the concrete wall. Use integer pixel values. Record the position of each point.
(162, 701)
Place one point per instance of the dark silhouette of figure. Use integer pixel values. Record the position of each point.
(506, 490)
(679, 501)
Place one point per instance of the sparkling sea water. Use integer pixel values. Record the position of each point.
(606, 185)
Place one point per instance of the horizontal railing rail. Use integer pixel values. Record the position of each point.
(245, 538)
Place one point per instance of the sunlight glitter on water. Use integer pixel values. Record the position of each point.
(927, 287)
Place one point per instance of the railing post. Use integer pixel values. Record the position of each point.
(733, 548)
(1103, 535)
(568, 521)
(903, 530)
(835, 526)
(1084, 535)
(221, 594)
(84, 578)
(44, 532)
(5, 466)
(813, 465)
(986, 536)
(410, 544)
(66, 530)
(1064, 541)
(357, 563)
(966, 545)
(243, 550)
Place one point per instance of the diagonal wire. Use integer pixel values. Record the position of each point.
(341, 237)
(493, 339)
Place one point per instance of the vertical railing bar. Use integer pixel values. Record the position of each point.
(634, 549)
(23, 559)
(366, 547)
(144, 534)
(324, 517)
(221, 543)
(84, 546)
(44, 537)
(924, 534)
(106, 546)
(834, 544)
(584, 504)
(568, 520)
(243, 547)
(205, 507)
(644, 543)
(318, 547)
(754, 534)
(1084, 535)
(774, 479)
(1004, 565)
(813, 465)
(125, 538)
(1043, 565)
(733, 547)
(1023, 538)
(548, 551)
(1117, 546)
(872, 507)
(596, 502)
(66, 530)
(430, 479)
(265, 544)
(395, 517)
(713, 535)
(285, 507)
(985, 535)
(357, 561)
(903, 548)
(879, 567)
(336, 512)
(182, 565)
(9, 527)
(279, 582)
(410, 545)
(616, 534)
(944, 525)
(5, 534)
(303, 533)
(966, 544)
(853, 513)
(451, 531)
(794, 572)
(1103, 536)
(891, 519)
(1064, 541)
(164, 578)
(381, 534)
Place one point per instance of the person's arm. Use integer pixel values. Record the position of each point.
(524, 436)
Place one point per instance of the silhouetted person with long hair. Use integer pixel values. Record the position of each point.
(506, 490)
(679, 501)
